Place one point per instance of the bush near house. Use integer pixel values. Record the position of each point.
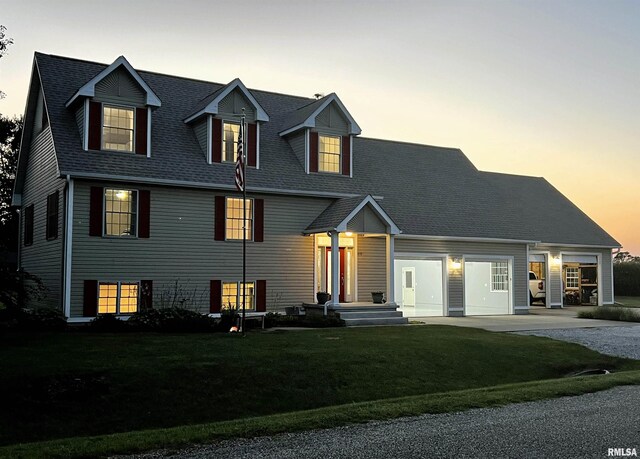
(611, 313)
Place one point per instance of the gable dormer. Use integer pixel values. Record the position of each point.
(113, 110)
(321, 134)
(216, 124)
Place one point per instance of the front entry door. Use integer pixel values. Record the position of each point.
(341, 298)
(409, 287)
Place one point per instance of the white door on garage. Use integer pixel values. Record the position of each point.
(419, 286)
(487, 287)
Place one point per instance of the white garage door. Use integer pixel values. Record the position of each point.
(487, 287)
(419, 287)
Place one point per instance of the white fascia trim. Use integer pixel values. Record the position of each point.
(212, 107)
(209, 139)
(463, 239)
(148, 132)
(310, 122)
(68, 241)
(85, 127)
(208, 186)
(393, 228)
(585, 246)
(257, 145)
(89, 88)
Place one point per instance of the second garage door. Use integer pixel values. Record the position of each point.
(487, 287)
(419, 286)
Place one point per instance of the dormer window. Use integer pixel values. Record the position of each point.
(117, 128)
(230, 142)
(329, 154)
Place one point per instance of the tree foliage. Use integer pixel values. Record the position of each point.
(10, 134)
(5, 42)
(626, 274)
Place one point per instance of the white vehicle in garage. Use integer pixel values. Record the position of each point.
(537, 291)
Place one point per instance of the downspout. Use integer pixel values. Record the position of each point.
(68, 233)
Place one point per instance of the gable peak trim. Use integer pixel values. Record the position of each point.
(310, 121)
(89, 88)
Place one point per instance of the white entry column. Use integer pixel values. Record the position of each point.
(335, 267)
(391, 273)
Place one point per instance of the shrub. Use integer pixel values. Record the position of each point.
(41, 319)
(611, 313)
(626, 277)
(171, 320)
(108, 323)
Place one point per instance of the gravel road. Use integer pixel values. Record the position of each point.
(585, 426)
(619, 341)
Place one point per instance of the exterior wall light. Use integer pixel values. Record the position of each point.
(556, 260)
(456, 263)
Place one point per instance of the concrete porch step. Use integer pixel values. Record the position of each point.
(368, 314)
(376, 321)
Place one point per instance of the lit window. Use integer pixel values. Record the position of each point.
(499, 277)
(329, 154)
(117, 129)
(234, 219)
(573, 277)
(120, 212)
(117, 298)
(232, 295)
(230, 149)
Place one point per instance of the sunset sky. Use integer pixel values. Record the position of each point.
(542, 88)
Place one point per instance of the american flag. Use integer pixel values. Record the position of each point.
(240, 160)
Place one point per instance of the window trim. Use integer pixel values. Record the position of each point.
(104, 213)
(126, 107)
(222, 155)
(252, 219)
(118, 295)
(339, 172)
(57, 213)
(254, 296)
(576, 277)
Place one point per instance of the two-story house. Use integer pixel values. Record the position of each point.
(126, 187)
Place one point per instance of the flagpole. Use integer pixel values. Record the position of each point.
(244, 222)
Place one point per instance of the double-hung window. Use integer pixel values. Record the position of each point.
(499, 276)
(230, 141)
(118, 297)
(232, 295)
(573, 277)
(120, 212)
(234, 216)
(329, 154)
(117, 128)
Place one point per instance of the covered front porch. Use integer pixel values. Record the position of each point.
(353, 259)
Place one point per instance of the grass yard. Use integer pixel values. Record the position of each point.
(77, 384)
(629, 301)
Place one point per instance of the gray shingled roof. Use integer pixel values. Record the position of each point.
(335, 213)
(300, 115)
(426, 190)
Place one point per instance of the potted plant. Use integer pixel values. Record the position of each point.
(323, 297)
(378, 297)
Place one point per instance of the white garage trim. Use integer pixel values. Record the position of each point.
(490, 259)
(588, 256)
(546, 258)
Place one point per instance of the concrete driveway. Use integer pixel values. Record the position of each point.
(539, 318)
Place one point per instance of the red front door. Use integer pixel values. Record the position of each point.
(341, 275)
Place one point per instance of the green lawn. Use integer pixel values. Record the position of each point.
(629, 301)
(77, 384)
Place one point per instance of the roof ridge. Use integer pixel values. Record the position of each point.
(200, 80)
(402, 142)
(514, 175)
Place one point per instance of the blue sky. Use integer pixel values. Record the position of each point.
(543, 88)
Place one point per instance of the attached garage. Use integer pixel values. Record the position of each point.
(488, 287)
(419, 286)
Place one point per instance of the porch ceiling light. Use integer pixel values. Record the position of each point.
(348, 234)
